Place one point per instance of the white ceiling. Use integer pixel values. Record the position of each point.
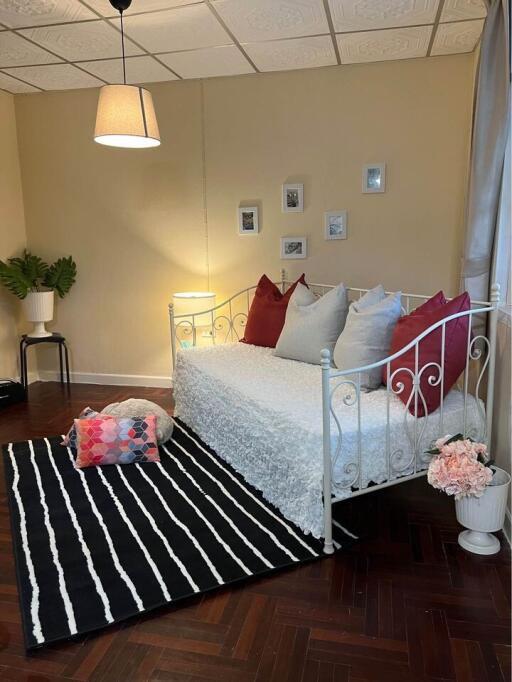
(65, 44)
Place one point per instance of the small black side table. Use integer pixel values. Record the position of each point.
(27, 341)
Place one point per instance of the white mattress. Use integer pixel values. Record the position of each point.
(263, 415)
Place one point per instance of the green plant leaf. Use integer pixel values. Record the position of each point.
(33, 268)
(61, 276)
(13, 278)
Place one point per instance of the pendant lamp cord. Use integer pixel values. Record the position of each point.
(122, 43)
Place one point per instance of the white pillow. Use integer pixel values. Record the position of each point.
(371, 297)
(312, 324)
(366, 337)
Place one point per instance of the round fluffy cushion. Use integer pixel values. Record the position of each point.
(136, 407)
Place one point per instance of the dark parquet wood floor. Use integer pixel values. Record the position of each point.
(405, 604)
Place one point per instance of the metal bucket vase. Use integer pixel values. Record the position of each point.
(484, 515)
(38, 308)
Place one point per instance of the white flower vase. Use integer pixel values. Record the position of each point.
(38, 308)
(484, 515)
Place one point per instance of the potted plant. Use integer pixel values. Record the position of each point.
(34, 282)
(462, 468)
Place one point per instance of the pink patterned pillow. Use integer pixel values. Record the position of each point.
(69, 439)
(116, 440)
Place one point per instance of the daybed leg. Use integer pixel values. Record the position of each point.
(326, 417)
(328, 544)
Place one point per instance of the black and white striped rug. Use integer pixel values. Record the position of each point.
(96, 546)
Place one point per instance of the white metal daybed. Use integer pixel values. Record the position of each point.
(306, 435)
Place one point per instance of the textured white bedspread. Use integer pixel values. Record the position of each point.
(263, 415)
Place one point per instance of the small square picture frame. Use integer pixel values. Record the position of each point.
(374, 178)
(248, 220)
(293, 197)
(335, 225)
(293, 248)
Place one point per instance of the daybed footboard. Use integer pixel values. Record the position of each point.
(420, 427)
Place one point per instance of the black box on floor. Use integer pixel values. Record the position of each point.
(11, 392)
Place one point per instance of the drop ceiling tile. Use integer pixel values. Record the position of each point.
(255, 20)
(55, 77)
(13, 85)
(298, 53)
(106, 10)
(76, 42)
(378, 46)
(18, 13)
(363, 15)
(138, 70)
(457, 10)
(459, 37)
(185, 28)
(211, 61)
(16, 51)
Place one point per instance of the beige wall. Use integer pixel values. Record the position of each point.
(134, 220)
(502, 437)
(12, 230)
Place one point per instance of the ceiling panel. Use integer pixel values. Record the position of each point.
(75, 42)
(105, 8)
(459, 37)
(298, 53)
(185, 28)
(17, 13)
(363, 15)
(138, 70)
(378, 46)
(55, 77)
(256, 20)
(209, 62)
(13, 85)
(456, 10)
(16, 51)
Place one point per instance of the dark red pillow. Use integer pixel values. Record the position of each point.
(268, 310)
(432, 304)
(429, 350)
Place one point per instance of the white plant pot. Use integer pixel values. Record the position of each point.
(38, 308)
(484, 515)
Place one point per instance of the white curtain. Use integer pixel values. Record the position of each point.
(491, 122)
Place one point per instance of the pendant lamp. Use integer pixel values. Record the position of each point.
(126, 115)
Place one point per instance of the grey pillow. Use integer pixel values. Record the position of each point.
(138, 407)
(371, 297)
(312, 324)
(366, 337)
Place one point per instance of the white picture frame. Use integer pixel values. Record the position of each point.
(335, 225)
(374, 178)
(293, 198)
(248, 220)
(293, 248)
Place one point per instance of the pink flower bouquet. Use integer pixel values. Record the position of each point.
(460, 467)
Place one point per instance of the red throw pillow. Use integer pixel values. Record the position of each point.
(432, 304)
(265, 321)
(429, 350)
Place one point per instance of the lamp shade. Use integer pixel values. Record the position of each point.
(192, 302)
(126, 118)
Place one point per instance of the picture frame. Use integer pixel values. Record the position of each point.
(293, 198)
(293, 248)
(248, 220)
(335, 225)
(374, 178)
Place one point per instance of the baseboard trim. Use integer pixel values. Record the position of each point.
(507, 526)
(109, 379)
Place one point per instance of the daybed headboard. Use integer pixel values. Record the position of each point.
(226, 322)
